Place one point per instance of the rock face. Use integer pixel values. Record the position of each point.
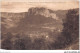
(42, 11)
(39, 28)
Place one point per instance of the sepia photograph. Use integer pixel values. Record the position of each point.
(40, 25)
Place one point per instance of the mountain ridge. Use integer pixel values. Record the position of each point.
(13, 20)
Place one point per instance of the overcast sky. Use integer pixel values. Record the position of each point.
(24, 6)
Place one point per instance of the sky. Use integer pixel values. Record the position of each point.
(39, 0)
(16, 7)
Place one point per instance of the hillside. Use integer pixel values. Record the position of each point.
(40, 28)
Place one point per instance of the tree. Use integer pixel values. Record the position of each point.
(71, 26)
(70, 30)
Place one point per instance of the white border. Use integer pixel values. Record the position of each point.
(39, 51)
